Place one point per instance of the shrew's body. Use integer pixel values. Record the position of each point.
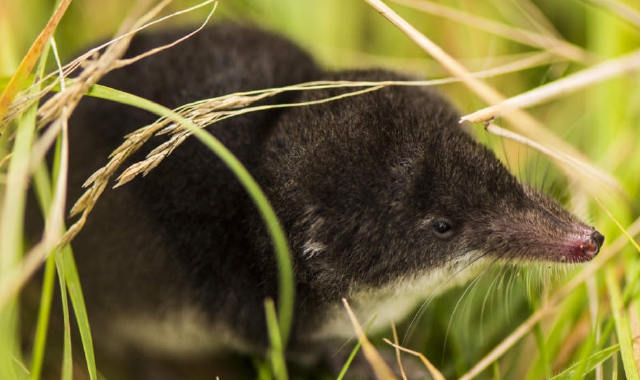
(384, 198)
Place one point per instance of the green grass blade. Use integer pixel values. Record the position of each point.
(79, 309)
(542, 348)
(11, 235)
(496, 371)
(623, 330)
(354, 352)
(281, 246)
(42, 188)
(66, 264)
(263, 369)
(67, 355)
(43, 318)
(13, 207)
(588, 365)
(347, 364)
(276, 353)
(581, 367)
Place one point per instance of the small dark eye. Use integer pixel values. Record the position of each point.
(442, 228)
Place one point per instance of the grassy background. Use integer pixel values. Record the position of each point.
(458, 330)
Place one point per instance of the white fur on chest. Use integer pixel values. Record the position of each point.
(393, 302)
(182, 333)
(186, 332)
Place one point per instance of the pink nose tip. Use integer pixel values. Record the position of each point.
(592, 244)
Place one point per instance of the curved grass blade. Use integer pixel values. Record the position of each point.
(588, 365)
(280, 244)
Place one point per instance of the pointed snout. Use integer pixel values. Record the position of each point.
(592, 243)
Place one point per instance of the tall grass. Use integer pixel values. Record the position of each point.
(513, 323)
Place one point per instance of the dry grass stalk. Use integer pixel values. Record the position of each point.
(397, 348)
(606, 70)
(202, 113)
(568, 162)
(54, 220)
(92, 72)
(98, 181)
(380, 368)
(522, 121)
(554, 45)
(532, 13)
(26, 98)
(129, 61)
(433, 371)
(29, 60)
(55, 216)
(56, 111)
(206, 112)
